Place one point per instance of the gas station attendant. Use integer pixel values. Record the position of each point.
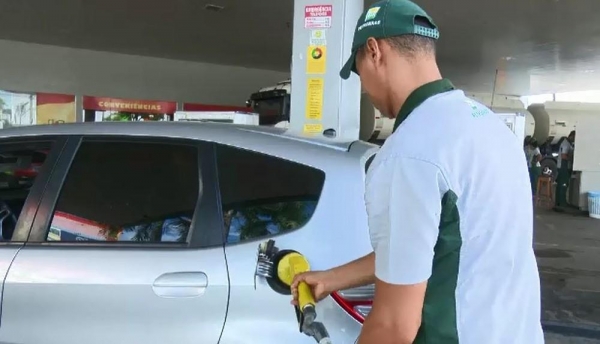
(451, 228)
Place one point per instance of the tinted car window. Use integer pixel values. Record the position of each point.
(20, 164)
(128, 191)
(263, 195)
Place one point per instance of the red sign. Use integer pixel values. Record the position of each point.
(54, 98)
(128, 105)
(318, 16)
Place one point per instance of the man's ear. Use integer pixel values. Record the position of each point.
(373, 50)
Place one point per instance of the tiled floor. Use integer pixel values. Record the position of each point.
(568, 251)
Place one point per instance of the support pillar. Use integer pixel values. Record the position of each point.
(79, 111)
(322, 104)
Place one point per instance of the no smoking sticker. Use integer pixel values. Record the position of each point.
(317, 16)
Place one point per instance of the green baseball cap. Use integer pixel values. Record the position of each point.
(388, 18)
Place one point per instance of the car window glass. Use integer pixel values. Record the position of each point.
(20, 164)
(263, 195)
(128, 191)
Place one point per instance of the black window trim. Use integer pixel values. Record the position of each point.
(30, 208)
(210, 237)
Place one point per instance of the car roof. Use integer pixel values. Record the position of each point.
(209, 131)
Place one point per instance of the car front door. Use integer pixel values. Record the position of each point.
(126, 248)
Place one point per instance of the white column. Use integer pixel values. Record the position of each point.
(79, 111)
(321, 101)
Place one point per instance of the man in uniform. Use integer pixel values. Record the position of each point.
(451, 228)
(564, 165)
(534, 158)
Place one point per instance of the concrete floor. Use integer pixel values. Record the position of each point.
(568, 251)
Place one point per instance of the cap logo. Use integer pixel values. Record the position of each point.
(371, 13)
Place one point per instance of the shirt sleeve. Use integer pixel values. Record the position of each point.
(404, 202)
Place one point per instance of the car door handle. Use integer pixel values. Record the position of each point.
(180, 284)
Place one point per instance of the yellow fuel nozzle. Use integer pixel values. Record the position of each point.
(290, 265)
(287, 264)
(298, 265)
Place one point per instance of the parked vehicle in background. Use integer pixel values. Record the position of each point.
(232, 117)
(272, 104)
(147, 232)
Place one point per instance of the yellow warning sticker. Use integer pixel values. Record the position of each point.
(314, 98)
(313, 128)
(316, 58)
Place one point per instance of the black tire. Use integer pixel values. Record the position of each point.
(550, 164)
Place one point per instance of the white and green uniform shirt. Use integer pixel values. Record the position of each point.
(531, 154)
(565, 148)
(442, 208)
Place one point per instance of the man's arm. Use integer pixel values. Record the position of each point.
(396, 314)
(404, 225)
(357, 273)
(538, 154)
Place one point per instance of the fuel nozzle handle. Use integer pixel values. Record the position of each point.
(309, 326)
(306, 300)
(316, 330)
(306, 309)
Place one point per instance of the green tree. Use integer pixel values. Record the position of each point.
(284, 216)
(119, 117)
(149, 232)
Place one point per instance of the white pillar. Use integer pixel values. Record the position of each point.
(321, 101)
(79, 111)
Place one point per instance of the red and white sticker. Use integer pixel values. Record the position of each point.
(317, 16)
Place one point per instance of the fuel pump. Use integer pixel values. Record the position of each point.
(279, 267)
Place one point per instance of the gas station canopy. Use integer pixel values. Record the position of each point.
(523, 47)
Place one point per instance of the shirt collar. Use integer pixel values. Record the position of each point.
(421, 94)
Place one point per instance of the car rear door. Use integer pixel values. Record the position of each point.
(261, 195)
(126, 248)
(282, 194)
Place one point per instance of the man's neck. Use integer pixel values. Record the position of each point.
(422, 74)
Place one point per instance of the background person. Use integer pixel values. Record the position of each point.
(534, 158)
(565, 166)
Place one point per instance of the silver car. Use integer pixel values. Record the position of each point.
(148, 232)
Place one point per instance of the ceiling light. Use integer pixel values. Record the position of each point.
(213, 7)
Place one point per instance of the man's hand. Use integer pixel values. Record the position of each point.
(321, 284)
(357, 273)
